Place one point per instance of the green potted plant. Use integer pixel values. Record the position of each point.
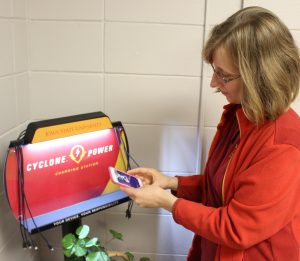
(79, 246)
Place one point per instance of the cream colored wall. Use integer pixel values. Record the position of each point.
(14, 110)
(139, 61)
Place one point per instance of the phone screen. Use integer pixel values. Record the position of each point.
(127, 180)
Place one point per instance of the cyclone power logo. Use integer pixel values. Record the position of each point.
(77, 153)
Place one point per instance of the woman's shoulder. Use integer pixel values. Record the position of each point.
(287, 129)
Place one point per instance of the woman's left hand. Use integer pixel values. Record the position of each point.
(151, 196)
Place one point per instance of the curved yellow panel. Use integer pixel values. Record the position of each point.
(71, 129)
(121, 164)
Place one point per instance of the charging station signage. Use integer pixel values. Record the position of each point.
(63, 171)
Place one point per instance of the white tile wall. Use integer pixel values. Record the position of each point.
(23, 97)
(63, 94)
(217, 11)
(150, 234)
(66, 9)
(8, 106)
(153, 49)
(6, 47)
(156, 11)
(19, 9)
(4, 143)
(20, 46)
(296, 36)
(168, 148)
(121, 209)
(5, 10)
(288, 11)
(7, 222)
(66, 46)
(10, 239)
(152, 99)
(296, 105)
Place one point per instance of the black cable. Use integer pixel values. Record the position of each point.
(29, 210)
(21, 135)
(19, 217)
(125, 146)
(118, 133)
(39, 231)
(121, 142)
(128, 155)
(4, 173)
(130, 203)
(129, 209)
(20, 212)
(15, 144)
(28, 242)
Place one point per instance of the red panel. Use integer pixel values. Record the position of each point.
(62, 172)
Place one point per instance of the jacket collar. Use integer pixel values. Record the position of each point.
(244, 123)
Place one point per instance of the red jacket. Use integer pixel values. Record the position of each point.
(260, 217)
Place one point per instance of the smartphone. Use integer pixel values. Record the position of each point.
(123, 179)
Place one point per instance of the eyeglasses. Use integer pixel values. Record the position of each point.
(224, 79)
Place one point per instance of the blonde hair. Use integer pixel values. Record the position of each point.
(264, 51)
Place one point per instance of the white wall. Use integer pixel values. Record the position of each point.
(14, 110)
(139, 61)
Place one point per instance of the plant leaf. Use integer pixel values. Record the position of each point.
(68, 252)
(97, 256)
(94, 256)
(95, 248)
(80, 250)
(92, 242)
(68, 241)
(130, 256)
(82, 231)
(104, 257)
(81, 243)
(145, 259)
(116, 235)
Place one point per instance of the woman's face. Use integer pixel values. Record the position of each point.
(226, 76)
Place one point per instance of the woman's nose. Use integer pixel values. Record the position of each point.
(214, 82)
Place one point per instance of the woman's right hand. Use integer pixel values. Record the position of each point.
(152, 176)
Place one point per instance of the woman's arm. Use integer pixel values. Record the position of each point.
(266, 199)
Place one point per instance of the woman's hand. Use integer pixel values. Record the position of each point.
(154, 177)
(151, 196)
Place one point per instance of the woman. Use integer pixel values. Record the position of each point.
(245, 206)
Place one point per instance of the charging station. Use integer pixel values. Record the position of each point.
(56, 172)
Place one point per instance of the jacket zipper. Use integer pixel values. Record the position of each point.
(230, 157)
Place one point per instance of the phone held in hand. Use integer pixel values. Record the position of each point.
(123, 179)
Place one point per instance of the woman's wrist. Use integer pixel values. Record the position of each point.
(169, 202)
(173, 183)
